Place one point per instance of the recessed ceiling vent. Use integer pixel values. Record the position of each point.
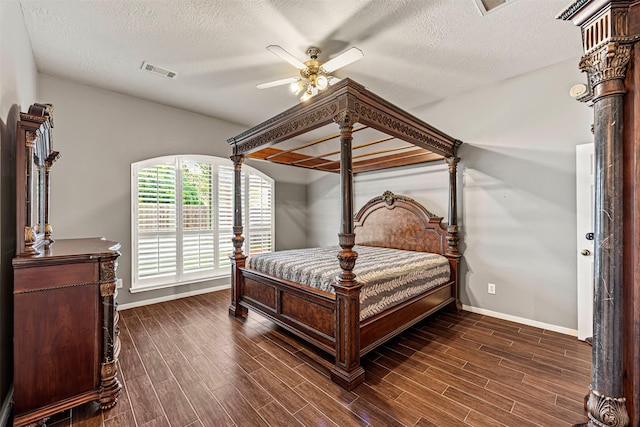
(158, 71)
(487, 6)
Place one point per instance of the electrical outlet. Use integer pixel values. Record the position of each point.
(118, 283)
(491, 288)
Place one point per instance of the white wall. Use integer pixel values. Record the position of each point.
(18, 88)
(517, 211)
(99, 134)
(18, 73)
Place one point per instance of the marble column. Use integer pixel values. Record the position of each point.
(606, 67)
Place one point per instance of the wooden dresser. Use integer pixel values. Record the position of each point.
(66, 342)
(65, 323)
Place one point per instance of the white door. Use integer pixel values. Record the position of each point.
(585, 180)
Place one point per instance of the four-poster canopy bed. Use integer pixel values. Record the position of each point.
(332, 319)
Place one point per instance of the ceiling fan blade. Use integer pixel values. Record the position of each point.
(277, 83)
(345, 58)
(277, 50)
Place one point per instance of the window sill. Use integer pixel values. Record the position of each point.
(135, 290)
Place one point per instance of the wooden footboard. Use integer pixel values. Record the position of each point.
(304, 311)
(382, 327)
(310, 313)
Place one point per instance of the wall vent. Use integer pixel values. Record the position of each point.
(486, 6)
(158, 71)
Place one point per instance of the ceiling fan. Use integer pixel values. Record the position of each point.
(315, 76)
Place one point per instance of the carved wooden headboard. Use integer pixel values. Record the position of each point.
(399, 222)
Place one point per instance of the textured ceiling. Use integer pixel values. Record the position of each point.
(416, 51)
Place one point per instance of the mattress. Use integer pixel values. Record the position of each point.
(388, 276)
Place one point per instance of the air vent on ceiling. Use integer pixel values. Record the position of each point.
(487, 6)
(159, 71)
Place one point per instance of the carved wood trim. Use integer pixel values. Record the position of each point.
(606, 63)
(346, 98)
(110, 387)
(32, 118)
(607, 411)
(304, 122)
(411, 226)
(34, 157)
(108, 271)
(392, 124)
(237, 258)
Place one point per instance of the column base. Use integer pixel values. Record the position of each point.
(111, 387)
(347, 380)
(237, 311)
(606, 411)
(455, 307)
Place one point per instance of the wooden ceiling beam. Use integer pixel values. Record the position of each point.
(311, 143)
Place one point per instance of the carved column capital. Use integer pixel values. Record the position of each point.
(48, 112)
(51, 159)
(31, 137)
(238, 160)
(608, 62)
(346, 119)
(108, 271)
(452, 162)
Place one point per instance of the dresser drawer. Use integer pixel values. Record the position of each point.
(54, 276)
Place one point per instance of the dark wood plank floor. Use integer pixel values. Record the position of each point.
(186, 363)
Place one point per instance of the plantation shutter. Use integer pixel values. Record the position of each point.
(156, 221)
(225, 214)
(260, 224)
(182, 221)
(198, 239)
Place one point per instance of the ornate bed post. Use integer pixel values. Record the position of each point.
(452, 227)
(238, 258)
(607, 46)
(347, 371)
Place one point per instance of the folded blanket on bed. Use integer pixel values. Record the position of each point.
(388, 276)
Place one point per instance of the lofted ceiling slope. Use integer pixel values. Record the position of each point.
(416, 51)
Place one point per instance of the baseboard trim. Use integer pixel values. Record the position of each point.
(503, 316)
(522, 320)
(5, 410)
(172, 297)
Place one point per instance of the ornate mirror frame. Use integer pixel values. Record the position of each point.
(34, 158)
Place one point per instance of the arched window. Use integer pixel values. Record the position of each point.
(182, 220)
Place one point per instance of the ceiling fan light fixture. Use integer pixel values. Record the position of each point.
(307, 94)
(297, 87)
(322, 82)
(315, 76)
